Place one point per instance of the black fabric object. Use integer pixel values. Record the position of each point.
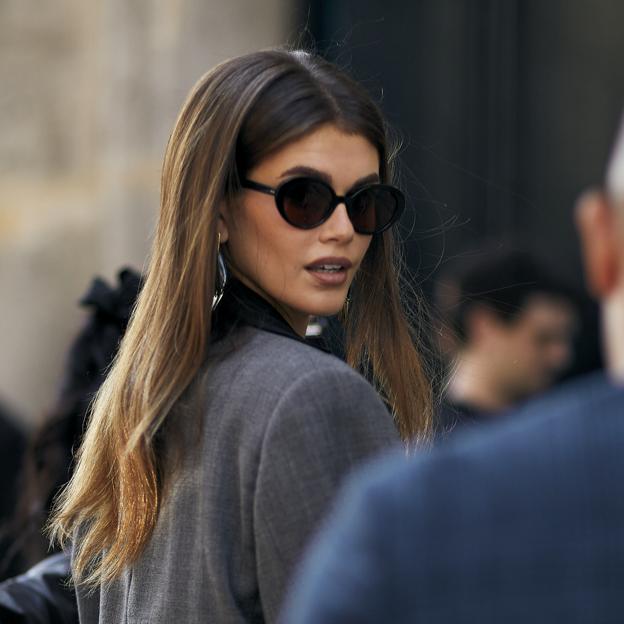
(43, 595)
(96, 345)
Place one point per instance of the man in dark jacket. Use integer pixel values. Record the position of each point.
(523, 522)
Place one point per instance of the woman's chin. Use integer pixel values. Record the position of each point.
(327, 308)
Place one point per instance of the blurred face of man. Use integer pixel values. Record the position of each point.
(600, 221)
(531, 351)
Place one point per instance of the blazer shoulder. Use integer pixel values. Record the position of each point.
(281, 380)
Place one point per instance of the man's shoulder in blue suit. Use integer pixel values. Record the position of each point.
(531, 508)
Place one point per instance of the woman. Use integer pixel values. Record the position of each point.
(218, 440)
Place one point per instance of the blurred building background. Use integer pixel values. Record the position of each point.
(506, 107)
(90, 91)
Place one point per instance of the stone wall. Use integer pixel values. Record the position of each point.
(90, 92)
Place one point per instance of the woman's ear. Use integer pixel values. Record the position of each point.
(596, 225)
(222, 227)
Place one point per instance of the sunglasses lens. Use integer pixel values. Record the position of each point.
(304, 203)
(375, 208)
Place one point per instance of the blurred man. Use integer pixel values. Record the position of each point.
(522, 522)
(508, 327)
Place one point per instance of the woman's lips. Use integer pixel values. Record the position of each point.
(331, 271)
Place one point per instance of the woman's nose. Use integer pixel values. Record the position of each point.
(338, 226)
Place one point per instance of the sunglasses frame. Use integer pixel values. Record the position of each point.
(347, 200)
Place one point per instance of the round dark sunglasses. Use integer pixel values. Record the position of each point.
(308, 202)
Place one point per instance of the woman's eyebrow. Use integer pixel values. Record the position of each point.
(307, 172)
(371, 178)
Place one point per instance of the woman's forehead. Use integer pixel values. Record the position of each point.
(339, 157)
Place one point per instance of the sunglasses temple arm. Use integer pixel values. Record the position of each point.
(256, 186)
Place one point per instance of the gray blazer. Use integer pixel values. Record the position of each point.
(282, 423)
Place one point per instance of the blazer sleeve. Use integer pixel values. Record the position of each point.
(327, 422)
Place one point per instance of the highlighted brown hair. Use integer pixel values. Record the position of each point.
(237, 114)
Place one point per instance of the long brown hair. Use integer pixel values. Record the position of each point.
(238, 113)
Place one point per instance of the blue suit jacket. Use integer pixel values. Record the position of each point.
(521, 522)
